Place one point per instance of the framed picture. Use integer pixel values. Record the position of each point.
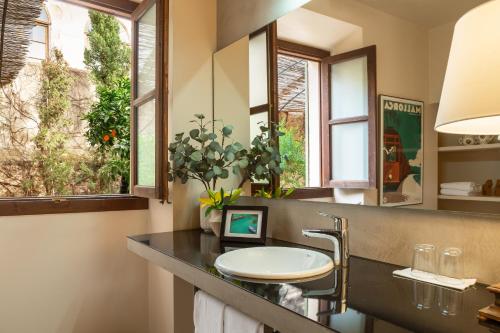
(244, 224)
(401, 151)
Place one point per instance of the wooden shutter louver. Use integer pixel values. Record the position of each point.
(17, 18)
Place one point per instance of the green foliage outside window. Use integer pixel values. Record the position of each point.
(108, 60)
(294, 167)
(53, 103)
(107, 57)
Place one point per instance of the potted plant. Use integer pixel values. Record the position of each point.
(215, 203)
(206, 155)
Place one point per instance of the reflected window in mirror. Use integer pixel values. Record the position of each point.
(299, 113)
(258, 81)
(327, 110)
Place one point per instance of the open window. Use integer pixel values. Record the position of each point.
(327, 110)
(69, 151)
(149, 102)
(349, 119)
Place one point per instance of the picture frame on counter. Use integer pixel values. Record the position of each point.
(246, 224)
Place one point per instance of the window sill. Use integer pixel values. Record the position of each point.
(302, 193)
(78, 204)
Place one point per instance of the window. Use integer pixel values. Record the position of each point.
(327, 110)
(39, 38)
(299, 118)
(68, 151)
(149, 105)
(349, 119)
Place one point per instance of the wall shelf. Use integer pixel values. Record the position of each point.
(469, 198)
(488, 146)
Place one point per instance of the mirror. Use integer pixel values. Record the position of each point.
(355, 87)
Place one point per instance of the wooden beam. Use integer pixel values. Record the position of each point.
(122, 8)
(302, 51)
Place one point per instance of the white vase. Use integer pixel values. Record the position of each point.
(215, 220)
(204, 224)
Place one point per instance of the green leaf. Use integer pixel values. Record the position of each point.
(196, 156)
(209, 175)
(211, 155)
(217, 170)
(194, 133)
(243, 163)
(200, 116)
(236, 169)
(227, 130)
(224, 174)
(229, 156)
(259, 170)
(212, 136)
(237, 146)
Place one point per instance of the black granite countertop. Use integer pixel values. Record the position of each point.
(364, 298)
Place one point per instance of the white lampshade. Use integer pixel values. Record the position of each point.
(470, 100)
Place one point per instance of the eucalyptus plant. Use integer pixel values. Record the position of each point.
(264, 158)
(206, 154)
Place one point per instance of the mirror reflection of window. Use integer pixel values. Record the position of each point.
(299, 118)
(325, 109)
(258, 82)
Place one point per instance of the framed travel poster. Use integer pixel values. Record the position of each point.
(401, 150)
(244, 224)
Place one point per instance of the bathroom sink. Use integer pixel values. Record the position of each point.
(274, 263)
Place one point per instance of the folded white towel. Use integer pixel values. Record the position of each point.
(406, 273)
(237, 322)
(446, 191)
(463, 186)
(208, 313)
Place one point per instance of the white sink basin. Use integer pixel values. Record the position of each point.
(274, 263)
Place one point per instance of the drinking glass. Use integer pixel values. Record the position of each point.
(451, 266)
(424, 261)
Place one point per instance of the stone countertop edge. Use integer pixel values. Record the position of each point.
(253, 305)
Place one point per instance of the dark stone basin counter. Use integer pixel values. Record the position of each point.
(365, 298)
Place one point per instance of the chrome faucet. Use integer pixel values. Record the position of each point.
(338, 235)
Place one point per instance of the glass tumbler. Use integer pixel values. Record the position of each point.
(424, 261)
(451, 266)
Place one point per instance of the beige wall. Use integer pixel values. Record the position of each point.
(72, 273)
(389, 234)
(439, 50)
(192, 43)
(238, 18)
(231, 94)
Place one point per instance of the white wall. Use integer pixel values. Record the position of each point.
(72, 273)
(69, 23)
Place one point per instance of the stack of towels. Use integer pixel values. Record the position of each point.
(461, 188)
(212, 316)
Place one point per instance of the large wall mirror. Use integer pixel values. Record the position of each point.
(355, 86)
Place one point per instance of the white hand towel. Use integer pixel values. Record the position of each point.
(463, 186)
(447, 191)
(237, 322)
(208, 313)
(406, 273)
